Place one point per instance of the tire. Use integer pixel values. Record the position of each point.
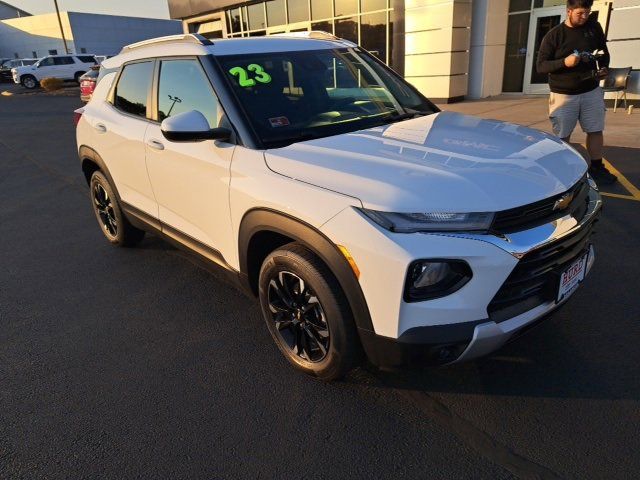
(29, 82)
(112, 221)
(307, 313)
(77, 76)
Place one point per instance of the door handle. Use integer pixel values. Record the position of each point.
(155, 144)
(100, 127)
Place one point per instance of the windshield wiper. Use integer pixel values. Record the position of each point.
(407, 115)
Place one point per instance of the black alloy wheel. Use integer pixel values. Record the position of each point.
(112, 221)
(307, 313)
(298, 317)
(104, 210)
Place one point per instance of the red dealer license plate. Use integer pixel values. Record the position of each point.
(572, 276)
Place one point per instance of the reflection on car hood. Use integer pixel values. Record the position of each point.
(441, 162)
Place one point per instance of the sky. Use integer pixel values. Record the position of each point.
(132, 8)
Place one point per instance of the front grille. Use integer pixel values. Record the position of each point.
(535, 279)
(539, 213)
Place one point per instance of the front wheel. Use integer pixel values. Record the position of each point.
(29, 81)
(112, 221)
(307, 313)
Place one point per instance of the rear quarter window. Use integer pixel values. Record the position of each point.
(86, 58)
(133, 88)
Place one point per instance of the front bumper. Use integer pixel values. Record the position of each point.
(461, 326)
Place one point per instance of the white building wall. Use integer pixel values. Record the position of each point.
(437, 47)
(37, 33)
(624, 42)
(9, 11)
(107, 34)
(488, 43)
(98, 34)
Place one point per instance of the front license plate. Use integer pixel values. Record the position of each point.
(572, 276)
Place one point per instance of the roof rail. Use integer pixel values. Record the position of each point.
(316, 34)
(183, 38)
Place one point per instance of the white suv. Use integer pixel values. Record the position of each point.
(65, 67)
(361, 216)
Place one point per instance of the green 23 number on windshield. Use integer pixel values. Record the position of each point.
(243, 77)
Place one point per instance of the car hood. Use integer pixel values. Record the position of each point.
(24, 68)
(445, 162)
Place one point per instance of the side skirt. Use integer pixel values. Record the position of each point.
(202, 255)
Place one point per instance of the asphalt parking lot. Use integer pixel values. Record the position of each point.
(123, 363)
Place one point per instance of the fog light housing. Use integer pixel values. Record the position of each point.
(428, 279)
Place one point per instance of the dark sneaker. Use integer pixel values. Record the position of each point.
(601, 175)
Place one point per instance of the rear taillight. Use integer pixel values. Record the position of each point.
(77, 114)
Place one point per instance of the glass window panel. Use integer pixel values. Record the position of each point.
(298, 11)
(373, 31)
(184, 87)
(63, 61)
(275, 13)
(371, 5)
(234, 16)
(347, 28)
(516, 52)
(258, 33)
(519, 5)
(323, 26)
(132, 89)
(227, 17)
(255, 13)
(346, 7)
(321, 9)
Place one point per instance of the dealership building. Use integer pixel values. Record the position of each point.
(33, 36)
(448, 49)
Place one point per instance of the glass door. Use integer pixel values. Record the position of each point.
(542, 20)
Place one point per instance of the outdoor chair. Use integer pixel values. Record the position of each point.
(616, 81)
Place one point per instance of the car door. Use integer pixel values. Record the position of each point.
(190, 179)
(65, 67)
(46, 68)
(120, 125)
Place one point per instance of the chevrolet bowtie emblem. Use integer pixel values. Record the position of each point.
(563, 202)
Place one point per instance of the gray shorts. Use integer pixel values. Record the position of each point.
(566, 110)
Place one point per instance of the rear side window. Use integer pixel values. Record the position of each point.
(86, 58)
(184, 87)
(63, 60)
(133, 87)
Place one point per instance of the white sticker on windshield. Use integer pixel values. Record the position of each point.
(279, 121)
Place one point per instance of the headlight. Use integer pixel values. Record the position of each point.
(431, 222)
(429, 279)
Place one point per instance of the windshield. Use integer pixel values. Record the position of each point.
(294, 96)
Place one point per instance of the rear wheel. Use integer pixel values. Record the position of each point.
(29, 81)
(307, 313)
(77, 76)
(113, 223)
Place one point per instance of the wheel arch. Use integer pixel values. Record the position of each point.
(263, 230)
(91, 161)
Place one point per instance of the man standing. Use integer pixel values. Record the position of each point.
(566, 55)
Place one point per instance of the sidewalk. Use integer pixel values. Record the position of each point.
(621, 135)
(532, 110)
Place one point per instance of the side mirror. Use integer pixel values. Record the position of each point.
(191, 126)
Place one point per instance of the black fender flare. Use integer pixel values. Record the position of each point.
(268, 220)
(89, 154)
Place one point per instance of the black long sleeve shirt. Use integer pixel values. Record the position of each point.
(560, 42)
